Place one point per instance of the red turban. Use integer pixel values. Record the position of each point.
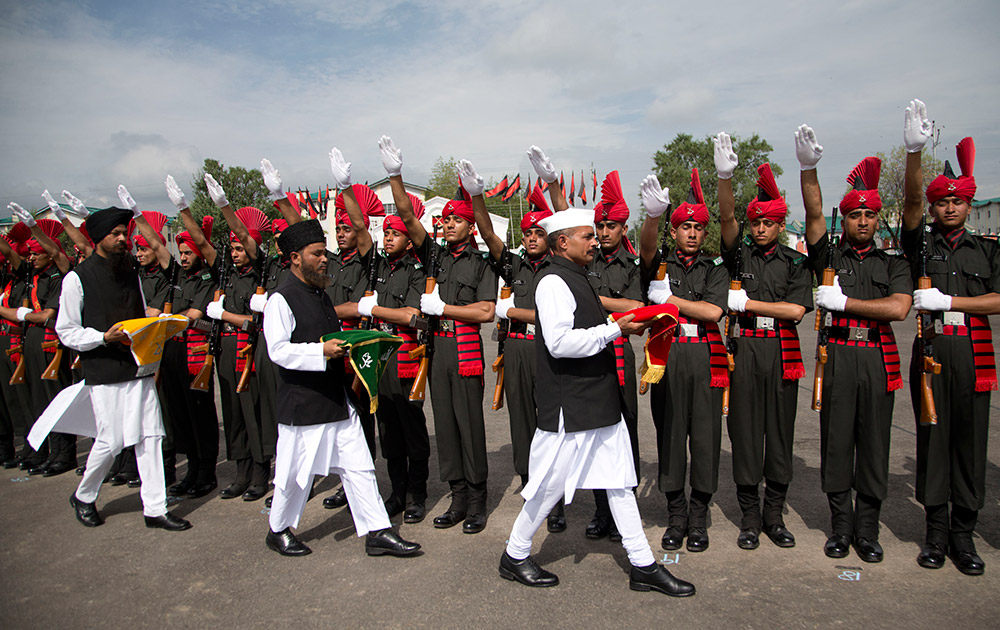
(367, 199)
(612, 206)
(947, 185)
(769, 203)
(206, 228)
(255, 221)
(459, 208)
(52, 229)
(279, 226)
(694, 208)
(393, 222)
(540, 210)
(18, 235)
(156, 219)
(864, 178)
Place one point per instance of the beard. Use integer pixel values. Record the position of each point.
(314, 277)
(121, 264)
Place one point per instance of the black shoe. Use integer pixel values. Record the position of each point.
(599, 527)
(780, 536)
(389, 542)
(86, 513)
(254, 493)
(837, 546)
(201, 489)
(449, 519)
(556, 523)
(181, 488)
(656, 578)
(748, 539)
(526, 572)
(336, 500)
(39, 469)
(268, 501)
(233, 490)
(285, 543)
(932, 556)
(393, 506)
(80, 471)
(474, 523)
(672, 539)
(134, 483)
(613, 534)
(414, 513)
(10, 463)
(968, 562)
(697, 539)
(868, 549)
(120, 479)
(168, 522)
(57, 469)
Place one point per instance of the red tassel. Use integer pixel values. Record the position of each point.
(765, 181)
(696, 186)
(869, 170)
(966, 150)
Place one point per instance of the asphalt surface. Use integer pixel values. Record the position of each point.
(54, 573)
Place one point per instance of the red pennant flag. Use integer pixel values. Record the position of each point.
(572, 187)
(545, 186)
(583, 189)
(594, 173)
(499, 188)
(527, 191)
(562, 184)
(514, 189)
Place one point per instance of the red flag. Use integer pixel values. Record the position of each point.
(514, 189)
(527, 191)
(572, 187)
(583, 189)
(545, 185)
(562, 184)
(499, 188)
(594, 196)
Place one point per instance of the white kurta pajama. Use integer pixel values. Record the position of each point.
(125, 414)
(317, 449)
(562, 462)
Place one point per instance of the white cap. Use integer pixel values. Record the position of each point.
(571, 218)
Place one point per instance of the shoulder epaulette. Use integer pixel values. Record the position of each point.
(717, 261)
(207, 275)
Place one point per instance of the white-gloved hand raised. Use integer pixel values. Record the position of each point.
(22, 215)
(726, 160)
(659, 291)
(917, 128)
(257, 302)
(738, 300)
(807, 149)
(215, 191)
(53, 206)
(272, 179)
(367, 303)
(542, 164)
(340, 168)
(127, 200)
(175, 193)
(431, 303)
(76, 204)
(472, 181)
(931, 300)
(392, 158)
(655, 200)
(831, 297)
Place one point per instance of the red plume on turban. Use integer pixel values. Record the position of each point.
(612, 206)
(769, 203)
(947, 185)
(292, 199)
(256, 222)
(367, 199)
(279, 226)
(540, 210)
(864, 178)
(156, 219)
(52, 229)
(694, 208)
(19, 234)
(418, 205)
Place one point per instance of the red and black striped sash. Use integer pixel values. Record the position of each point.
(982, 350)
(791, 353)
(718, 364)
(619, 348)
(405, 366)
(195, 359)
(5, 329)
(886, 341)
(242, 341)
(470, 351)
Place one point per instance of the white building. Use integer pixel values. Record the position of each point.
(984, 217)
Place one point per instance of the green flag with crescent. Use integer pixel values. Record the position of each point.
(369, 351)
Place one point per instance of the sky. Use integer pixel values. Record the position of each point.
(101, 93)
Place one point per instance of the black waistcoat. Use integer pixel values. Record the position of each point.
(585, 389)
(307, 398)
(107, 301)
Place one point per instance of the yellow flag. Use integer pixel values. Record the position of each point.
(147, 335)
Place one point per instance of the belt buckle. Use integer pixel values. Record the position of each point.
(689, 330)
(386, 328)
(953, 318)
(529, 329)
(446, 325)
(855, 333)
(765, 323)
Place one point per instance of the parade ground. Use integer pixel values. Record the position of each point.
(55, 573)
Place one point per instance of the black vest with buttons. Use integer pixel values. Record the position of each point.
(309, 398)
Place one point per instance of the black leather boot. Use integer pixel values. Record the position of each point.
(456, 512)
(242, 480)
(774, 521)
(962, 549)
(677, 520)
(475, 521)
(935, 547)
(866, 514)
(697, 533)
(749, 499)
(838, 545)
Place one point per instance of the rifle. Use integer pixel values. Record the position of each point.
(202, 380)
(661, 272)
(503, 330)
(824, 318)
(735, 284)
(18, 377)
(51, 372)
(926, 331)
(248, 351)
(425, 337)
(368, 323)
(168, 308)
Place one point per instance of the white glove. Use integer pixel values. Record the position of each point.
(214, 309)
(22, 312)
(807, 149)
(659, 291)
(917, 128)
(472, 181)
(542, 164)
(655, 200)
(175, 193)
(23, 215)
(431, 303)
(931, 300)
(215, 191)
(392, 158)
(257, 302)
(271, 179)
(75, 203)
(831, 297)
(738, 300)
(127, 200)
(341, 169)
(725, 159)
(53, 206)
(503, 306)
(367, 303)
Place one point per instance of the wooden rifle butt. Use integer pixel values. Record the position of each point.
(928, 412)
(661, 271)
(498, 390)
(244, 381)
(429, 284)
(418, 391)
(202, 380)
(418, 352)
(725, 401)
(51, 372)
(14, 350)
(17, 378)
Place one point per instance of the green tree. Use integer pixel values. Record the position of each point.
(444, 178)
(673, 163)
(890, 185)
(244, 187)
(444, 183)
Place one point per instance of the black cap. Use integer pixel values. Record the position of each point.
(99, 224)
(299, 235)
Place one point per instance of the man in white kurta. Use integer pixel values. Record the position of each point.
(562, 461)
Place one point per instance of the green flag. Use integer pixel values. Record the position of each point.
(369, 352)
